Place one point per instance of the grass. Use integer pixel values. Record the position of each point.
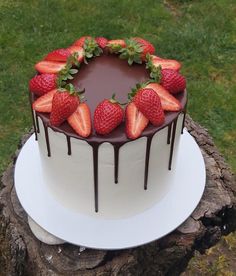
(201, 34)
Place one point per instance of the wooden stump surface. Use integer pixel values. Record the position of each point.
(22, 254)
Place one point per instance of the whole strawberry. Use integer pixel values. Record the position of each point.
(172, 81)
(136, 50)
(58, 55)
(41, 84)
(115, 45)
(149, 103)
(64, 104)
(107, 116)
(147, 47)
(81, 40)
(101, 41)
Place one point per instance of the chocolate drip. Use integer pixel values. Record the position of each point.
(33, 118)
(183, 123)
(47, 139)
(68, 145)
(148, 146)
(37, 122)
(184, 112)
(169, 133)
(95, 173)
(172, 143)
(116, 161)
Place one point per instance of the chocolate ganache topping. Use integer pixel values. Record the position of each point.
(101, 77)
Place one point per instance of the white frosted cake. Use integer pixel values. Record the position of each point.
(99, 157)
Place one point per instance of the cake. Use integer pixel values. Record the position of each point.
(108, 157)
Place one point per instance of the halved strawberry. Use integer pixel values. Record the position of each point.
(165, 63)
(58, 55)
(49, 66)
(80, 41)
(80, 120)
(135, 121)
(168, 102)
(44, 103)
(77, 49)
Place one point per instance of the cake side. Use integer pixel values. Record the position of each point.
(70, 178)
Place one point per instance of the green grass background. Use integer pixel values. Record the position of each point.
(201, 34)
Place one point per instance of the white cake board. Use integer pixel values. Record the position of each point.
(178, 204)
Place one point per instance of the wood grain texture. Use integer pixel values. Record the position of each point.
(23, 254)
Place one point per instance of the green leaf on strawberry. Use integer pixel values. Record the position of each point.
(132, 52)
(155, 71)
(67, 72)
(91, 49)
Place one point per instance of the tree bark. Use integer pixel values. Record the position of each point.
(22, 254)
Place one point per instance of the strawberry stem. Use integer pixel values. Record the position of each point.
(115, 101)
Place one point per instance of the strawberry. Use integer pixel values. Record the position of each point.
(58, 55)
(147, 47)
(44, 103)
(80, 120)
(168, 102)
(172, 81)
(107, 116)
(101, 41)
(41, 84)
(64, 104)
(77, 49)
(136, 50)
(49, 66)
(149, 103)
(116, 45)
(135, 121)
(165, 63)
(81, 40)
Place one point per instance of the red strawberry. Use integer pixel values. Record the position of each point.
(166, 63)
(41, 84)
(147, 47)
(107, 116)
(101, 41)
(44, 103)
(63, 105)
(168, 102)
(135, 121)
(49, 66)
(58, 55)
(149, 103)
(115, 45)
(80, 41)
(172, 81)
(80, 120)
(77, 49)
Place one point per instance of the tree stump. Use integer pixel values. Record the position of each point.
(22, 254)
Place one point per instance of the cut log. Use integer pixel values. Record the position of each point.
(22, 254)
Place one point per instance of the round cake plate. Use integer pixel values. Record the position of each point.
(165, 216)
